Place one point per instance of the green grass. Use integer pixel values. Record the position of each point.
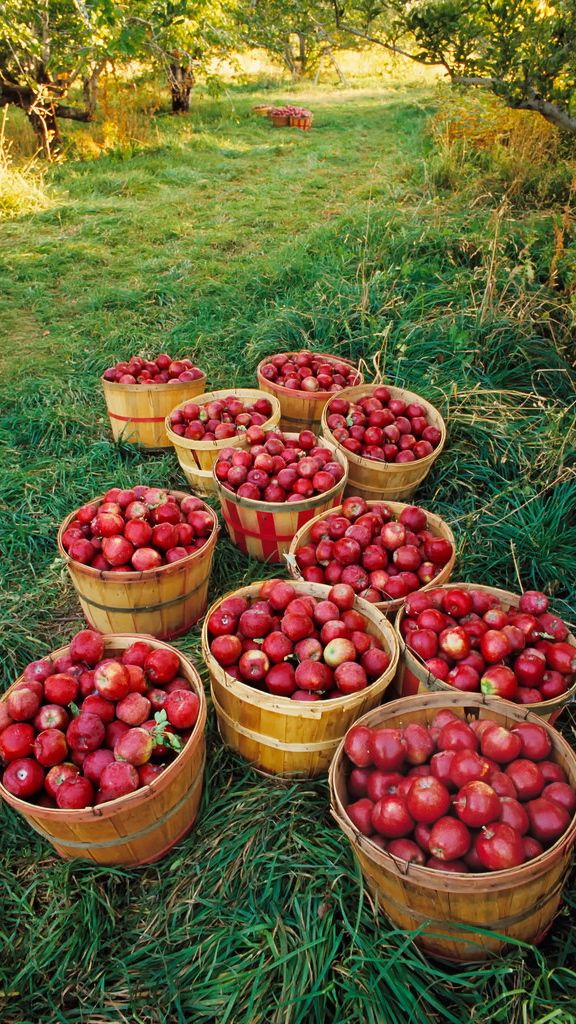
(227, 240)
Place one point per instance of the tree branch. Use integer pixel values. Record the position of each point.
(389, 46)
(487, 83)
(72, 113)
(10, 92)
(549, 111)
(25, 97)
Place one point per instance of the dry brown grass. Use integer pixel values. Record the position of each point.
(482, 121)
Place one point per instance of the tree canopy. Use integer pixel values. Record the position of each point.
(524, 50)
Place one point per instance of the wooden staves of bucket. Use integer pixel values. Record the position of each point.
(462, 917)
(303, 121)
(138, 412)
(386, 480)
(413, 677)
(302, 410)
(143, 826)
(435, 524)
(197, 458)
(163, 602)
(285, 737)
(265, 529)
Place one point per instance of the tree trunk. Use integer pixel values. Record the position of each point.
(42, 117)
(302, 55)
(289, 58)
(181, 82)
(90, 89)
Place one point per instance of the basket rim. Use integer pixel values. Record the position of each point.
(143, 792)
(146, 385)
(545, 705)
(315, 708)
(374, 464)
(144, 574)
(308, 395)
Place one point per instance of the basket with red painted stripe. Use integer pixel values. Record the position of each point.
(137, 412)
(263, 529)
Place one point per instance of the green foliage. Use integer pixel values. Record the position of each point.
(525, 50)
(291, 30)
(58, 36)
(228, 242)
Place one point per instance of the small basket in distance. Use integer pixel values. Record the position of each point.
(385, 481)
(197, 458)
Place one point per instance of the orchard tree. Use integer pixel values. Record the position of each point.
(523, 50)
(183, 43)
(297, 32)
(48, 46)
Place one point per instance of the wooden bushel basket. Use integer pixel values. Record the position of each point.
(284, 737)
(301, 121)
(413, 677)
(382, 481)
(163, 602)
(137, 412)
(436, 525)
(143, 826)
(265, 529)
(197, 458)
(302, 410)
(463, 917)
